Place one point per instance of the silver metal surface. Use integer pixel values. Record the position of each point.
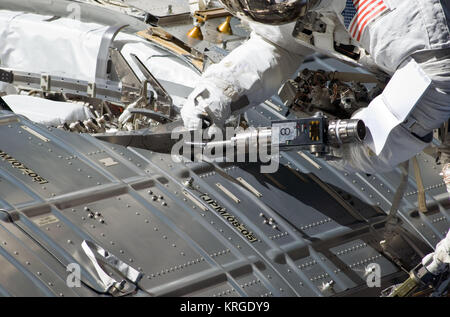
(110, 91)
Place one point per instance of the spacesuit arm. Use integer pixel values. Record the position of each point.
(254, 70)
(399, 141)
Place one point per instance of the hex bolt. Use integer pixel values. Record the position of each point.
(120, 285)
(189, 182)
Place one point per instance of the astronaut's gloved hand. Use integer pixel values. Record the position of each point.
(126, 114)
(191, 115)
(438, 262)
(206, 99)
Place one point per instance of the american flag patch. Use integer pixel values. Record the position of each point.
(359, 13)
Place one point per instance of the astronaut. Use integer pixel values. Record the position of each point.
(406, 39)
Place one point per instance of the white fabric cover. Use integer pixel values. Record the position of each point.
(48, 112)
(63, 47)
(69, 48)
(394, 105)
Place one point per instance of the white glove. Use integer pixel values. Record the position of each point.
(126, 115)
(438, 261)
(206, 99)
(190, 115)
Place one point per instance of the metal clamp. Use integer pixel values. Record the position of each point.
(103, 58)
(99, 256)
(45, 82)
(163, 98)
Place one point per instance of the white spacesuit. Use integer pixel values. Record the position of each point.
(409, 39)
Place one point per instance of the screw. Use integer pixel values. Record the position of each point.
(120, 285)
(188, 183)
